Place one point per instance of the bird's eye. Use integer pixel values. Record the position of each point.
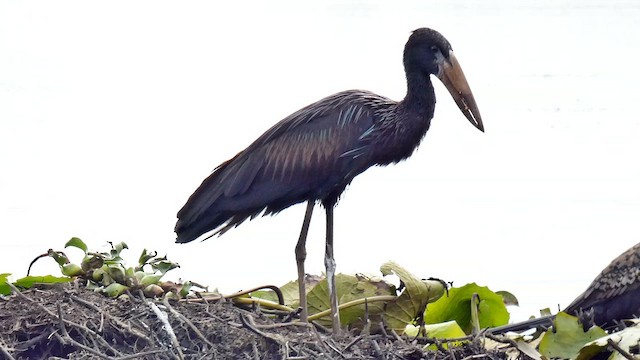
(434, 49)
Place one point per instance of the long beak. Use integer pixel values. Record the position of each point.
(453, 78)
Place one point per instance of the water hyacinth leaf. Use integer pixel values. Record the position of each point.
(289, 292)
(164, 266)
(349, 287)
(120, 246)
(115, 289)
(117, 273)
(139, 275)
(414, 298)
(98, 274)
(146, 256)
(545, 312)
(185, 288)
(442, 331)
(446, 330)
(626, 339)
(4, 287)
(568, 338)
(28, 281)
(59, 257)
(150, 279)
(91, 262)
(508, 298)
(77, 243)
(457, 306)
(72, 270)
(153, 291)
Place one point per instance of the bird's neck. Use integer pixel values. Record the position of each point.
(420, 95)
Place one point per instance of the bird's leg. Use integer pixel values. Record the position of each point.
(330, 265)
(301, 255)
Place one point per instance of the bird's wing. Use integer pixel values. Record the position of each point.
(301, 152)
(312, 152)
(622, 275)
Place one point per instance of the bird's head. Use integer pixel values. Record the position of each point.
(427, 51)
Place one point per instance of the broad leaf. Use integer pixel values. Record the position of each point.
(625, 339)
(508, 298)
(4, 287)
(349, 288)
(28, 281)
(76, 242)
(149, 279)
(164, 266)
(413, 299)
(114, 289)
(145, 257)
(442, 331)
(289, 292)
(568, 338)
(457, 306)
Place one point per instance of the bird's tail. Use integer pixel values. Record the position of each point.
(187, 232)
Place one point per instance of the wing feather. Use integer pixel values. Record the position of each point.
(300, 158)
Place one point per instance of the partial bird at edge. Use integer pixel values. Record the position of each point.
(613, 296)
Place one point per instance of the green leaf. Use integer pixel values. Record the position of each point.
(139, 275)
(120, 246)
(4, 286)
(508, 298)
(442, 331)
(164, 266)
(446, 330)
(129, 272)
(545, 312)
(150, 279)
(76, 242)
(289, 292)
(349, 288)
(115, 289)
(569, 337)
(626, 339)
(99, 275)
(72, 270)
(92, 262)
(60, 257)
(153, 291)
(28, 281)
(457, 306)
(145, 257)
(413, 300)
(116, 272)
(185, 288)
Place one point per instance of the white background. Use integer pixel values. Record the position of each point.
(112, 113)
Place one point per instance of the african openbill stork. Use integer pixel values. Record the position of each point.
(314, 153)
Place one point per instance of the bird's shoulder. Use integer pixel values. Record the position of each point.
(340, 109)
(623, 272)
(620, 276)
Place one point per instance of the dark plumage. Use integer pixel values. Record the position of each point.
(614, 295)
(314, 153)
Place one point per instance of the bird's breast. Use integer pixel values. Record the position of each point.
(398, 139)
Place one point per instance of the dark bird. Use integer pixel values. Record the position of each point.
(314, 153)
(613, 296)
